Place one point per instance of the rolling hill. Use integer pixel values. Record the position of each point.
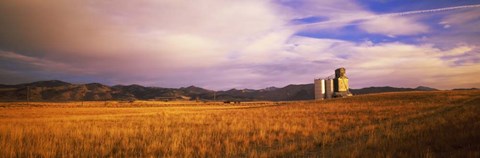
(55, 90)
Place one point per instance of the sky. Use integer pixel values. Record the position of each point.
(224, 44)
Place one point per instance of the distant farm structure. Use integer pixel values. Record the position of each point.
(171, 98)
(333, 86)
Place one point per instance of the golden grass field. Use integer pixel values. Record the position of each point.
(408, 124)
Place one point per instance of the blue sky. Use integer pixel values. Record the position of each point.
(220, 44)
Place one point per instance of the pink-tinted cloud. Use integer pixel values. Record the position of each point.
(222, 44)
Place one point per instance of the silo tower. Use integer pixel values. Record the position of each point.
(335, 85)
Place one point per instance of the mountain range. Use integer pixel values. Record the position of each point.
(55, 90)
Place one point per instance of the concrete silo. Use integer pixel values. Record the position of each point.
(328, 88)
(340, 83)
(319, 89)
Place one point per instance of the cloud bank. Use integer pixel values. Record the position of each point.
(236, 44)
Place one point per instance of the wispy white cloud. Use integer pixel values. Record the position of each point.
(462, 20)
(396, 64)
(393, 26)
(390, 24)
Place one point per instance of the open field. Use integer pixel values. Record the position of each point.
(410, 124)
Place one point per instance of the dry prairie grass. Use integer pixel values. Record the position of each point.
(412, 124)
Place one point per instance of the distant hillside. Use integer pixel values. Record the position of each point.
(459, 89)
(290, 92)
(369, 90)
(55, 90)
